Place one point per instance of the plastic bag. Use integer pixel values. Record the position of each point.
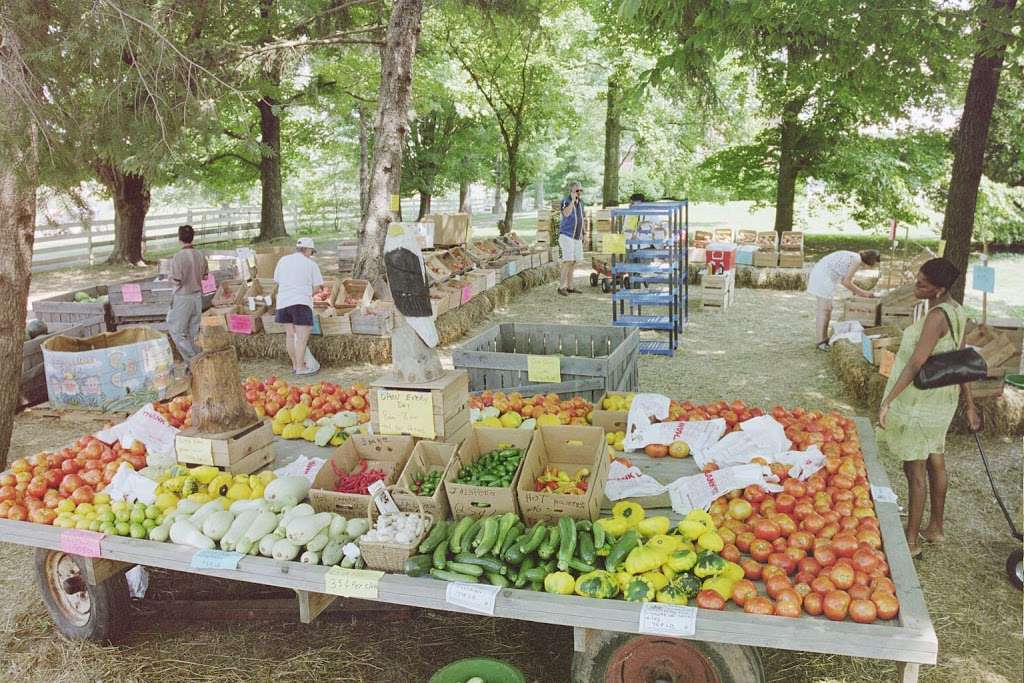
(630, 482)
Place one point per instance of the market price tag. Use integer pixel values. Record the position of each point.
(883, 494)
(406, 412)
(467, 293)
(543, 368)
(658, 619)
(240, 324)
(472, 596)
(983, 279)
(352, 583)
(131, 292)
(215, 559)
(209, 284)
(193, 449)
(513, 267)
(80, 542)
(385, 503)
(867, 348)
(613, 243)
(396, 203)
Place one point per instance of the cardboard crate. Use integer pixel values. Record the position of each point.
(436, 271)
(449, 398)
(570, 448)
(791, 259)
(791, 240)
(32, 385)
(229, 293)
(461, 260)
(267, 258)
(439, 301)
(246, 321)
(270, 324)
(329, 292)
(876, 339)
(865, 310)
(701, 238)
(386, 453)
(746, 237)
(610, 421)
(334, 322)
(886, 359)
(450, 229)
(483, 501)
(62, 311)
(244, 452)
(426, 457)
(217, 316)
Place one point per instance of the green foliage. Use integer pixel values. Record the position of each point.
(1000, 213)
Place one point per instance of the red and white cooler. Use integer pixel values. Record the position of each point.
(721, 257)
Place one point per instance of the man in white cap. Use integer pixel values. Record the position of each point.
(296, 276)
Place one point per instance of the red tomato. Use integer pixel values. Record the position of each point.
(780, 544)
(842, 576)
(69, 483)
(783, 562)
(785, 523)
(822, 584)
(814, 604)
(744, 540)
(787, 608)
(845, 545)
(742, 590)
(887, 604)
(810, 565)
(709, 599)
(812, 523)
(70, 466)
(92, 477)
(754, 493)
(795, 554)
(801, 539)
(859, 592)
(82, 494)
(784, 503)
(45, 516)
(760, 550)
(767, 530)
(751, 569)
(759, 604)
(770, 571)
(776, 585)
(836, 604)
(17, 513)
(731, 553)
(863, 611)
(36, 487)
(883, 584)
(7, 493)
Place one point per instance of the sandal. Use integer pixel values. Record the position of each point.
(574, 291)
(823, 346)
(563, 292)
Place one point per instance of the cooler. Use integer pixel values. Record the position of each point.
(721, 257)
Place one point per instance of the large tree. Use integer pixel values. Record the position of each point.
(391, 127)
(994, 32)
(824, 68)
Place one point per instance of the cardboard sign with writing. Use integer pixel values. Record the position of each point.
(240, 324)
(406, 412)
(131, 292)
(983, 279)
(215, 559)
(396, 203)
(352, 583)
(544, 368)
(209, 284)
(472, 596)
(658, 619)
(613, 243)
(81, 542)
(467, 293)
(193, 449)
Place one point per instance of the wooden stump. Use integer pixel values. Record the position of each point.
(413, 361)
(218, 400)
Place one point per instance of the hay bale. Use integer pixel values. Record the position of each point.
(337, 351)
(1002, 415)
(786, 279)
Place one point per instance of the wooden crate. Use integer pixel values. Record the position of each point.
(436, 271)
(449, 400)
(718, 291)
(723, 235)
(765, 259)
(877, 339)
(378, 319)
(62, 312)
(32, 386)
(865, 310)
(903, 316)
(791, 259)
(334, 322)
(244, 452)
(594, 359)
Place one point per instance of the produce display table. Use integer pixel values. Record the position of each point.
(722, 647)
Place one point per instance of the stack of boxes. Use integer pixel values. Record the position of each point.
(791, 249)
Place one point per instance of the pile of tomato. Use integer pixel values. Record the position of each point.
(816, 546)
(33, 487)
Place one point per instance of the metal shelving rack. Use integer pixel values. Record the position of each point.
(657, 268)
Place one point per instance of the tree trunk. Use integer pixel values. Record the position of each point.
(970, 140)
(520, 198)
(392, 125)
(496, 207)
(612, 145)
(130, 193)
(18, 180)
(364, 163)
(424, 205)
(539, 197)
(513, 189)
(218, 402)
(271, 204)
(465, 200)
(789, 169)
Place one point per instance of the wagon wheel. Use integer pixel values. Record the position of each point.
(80, 611)
(606, 285)
(593, 279)
(622, 658)
(1014, 568)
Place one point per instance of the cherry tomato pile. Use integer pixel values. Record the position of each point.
(816, 545)
(34, 487)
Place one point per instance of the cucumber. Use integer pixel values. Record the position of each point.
(418, 565)
(466, 542)
(533, 541)
(506, 525)
(453, 576)
(585, 547)
(488, 536)
(547, 549)
(629, 540)
(581, 566)
(463, 568)
(440, 555)
(514, 555)
(497, 580)
(584, 525)
(455, 542)
(599, 535)
(528, 564)
(488, 563)
(437, 534)
(511, 541)
(535, 574)
(567, 547)
(537, 586)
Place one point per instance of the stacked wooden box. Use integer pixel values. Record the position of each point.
(698, 250)
(151, 311)
(1000, 341)
(791, 249)
(62, 311)
(901, 308)
(718, 291)
(865, 310)
(449, 400)
(767, 254)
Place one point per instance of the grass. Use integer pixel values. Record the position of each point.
(759, 350)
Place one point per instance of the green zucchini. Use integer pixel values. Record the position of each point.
(528, 563)
(629, 540)
(547, 549)
(455, 542)
(581, 566)
(470, 535)
(418, 565)
(514, 555)
(506, 525)
(488, 563)
(536, 574)
(463, 568)
(497, 580)
(584, 525)
(599, 535)
(488, 537)
(437, 534)
(512, 540)
(567, 530)
(537, 586)
(440, 555)
(453, 576)
(585, 547)
(533, 541)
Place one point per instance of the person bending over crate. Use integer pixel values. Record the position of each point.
(570, 237)
(188, 268)
(297, 275)
(837, 268)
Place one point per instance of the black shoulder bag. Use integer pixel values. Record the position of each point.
(951, 367)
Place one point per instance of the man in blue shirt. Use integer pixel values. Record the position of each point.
(570, 237)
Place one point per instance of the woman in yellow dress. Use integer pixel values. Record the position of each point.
(915, 420)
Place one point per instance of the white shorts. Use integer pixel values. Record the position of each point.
(572, 250)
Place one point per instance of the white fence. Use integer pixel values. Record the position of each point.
(82, 244)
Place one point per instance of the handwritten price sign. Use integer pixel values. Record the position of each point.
(658, 619)
(543, 368)
(406, 412)
(352, 583)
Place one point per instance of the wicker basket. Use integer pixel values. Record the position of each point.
(391, 557)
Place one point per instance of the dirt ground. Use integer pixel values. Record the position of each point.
(760, 350)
